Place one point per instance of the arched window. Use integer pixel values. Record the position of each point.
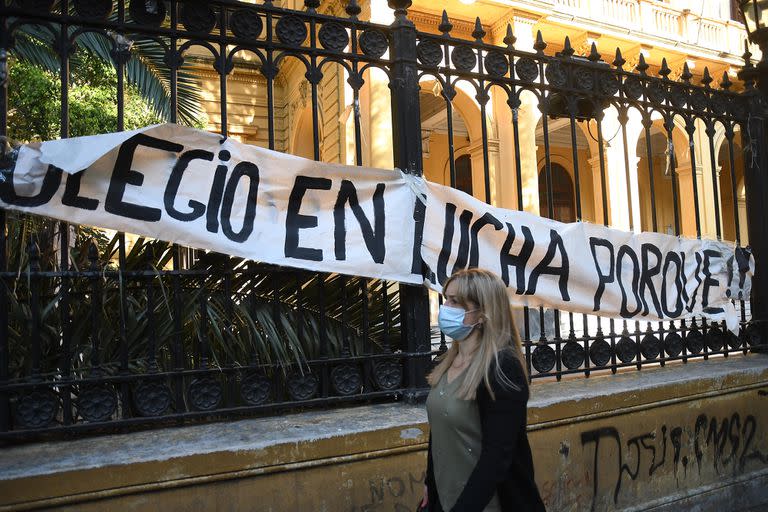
(564, 207)
(464, 174)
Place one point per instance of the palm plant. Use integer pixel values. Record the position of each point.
(146, 69)
(230, 312)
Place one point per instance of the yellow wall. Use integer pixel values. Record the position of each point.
(637, 439)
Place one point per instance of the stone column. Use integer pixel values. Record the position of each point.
(616, 171)
(377, 109)
(685, 194)
(527, 117)
(597, 190)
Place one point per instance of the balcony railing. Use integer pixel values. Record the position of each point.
(659, 19)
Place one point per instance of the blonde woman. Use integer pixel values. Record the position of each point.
(479, 457)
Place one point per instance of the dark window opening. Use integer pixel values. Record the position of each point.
(464, 174)
(564, 207)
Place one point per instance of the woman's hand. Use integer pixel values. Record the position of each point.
(425, 499)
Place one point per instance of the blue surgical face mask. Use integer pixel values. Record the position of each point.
(451, 322)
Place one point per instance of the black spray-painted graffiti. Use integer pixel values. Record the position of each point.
(730, 442)
(393, 493)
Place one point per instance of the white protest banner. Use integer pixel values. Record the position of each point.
(204, 191)
(201, 190)
(582, 267)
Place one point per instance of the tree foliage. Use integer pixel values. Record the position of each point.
(35, 102)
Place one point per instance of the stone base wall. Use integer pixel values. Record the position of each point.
(689, 437)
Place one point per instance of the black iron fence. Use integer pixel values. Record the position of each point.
(100, 331)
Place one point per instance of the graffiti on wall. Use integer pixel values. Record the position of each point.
(397, 493)
(726, 444)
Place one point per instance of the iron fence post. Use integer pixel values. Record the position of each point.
(756, 191)
(406, 144)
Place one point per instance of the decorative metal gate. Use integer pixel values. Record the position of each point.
(99, 333)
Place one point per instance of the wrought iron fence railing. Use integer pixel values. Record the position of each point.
(101, 331)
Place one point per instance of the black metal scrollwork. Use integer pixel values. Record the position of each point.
(198, 17)
(734, 341)
(291, 30)
(673, 344)
(694, 341)
(572, 355)
(346, 379)
(543, 358)
(656, 92)
(463, 58)
(496, 64)
(37, 409)
(650, 347)
(600, 352)
(633, 88)
(147, 13)
(626, 349)
(388, 374)
(429, 53)
(584, 78)
(255, 388)
(152, 397)
(302, 387)
(716, 339)
(246, 23)
(97, 402)
(333, 36)
(678, 96)
(94, 9)
(608, 84)
(373, 43)
(527, 69)
(719, 103)
(555, 74)
(205, 393)
(698, 101)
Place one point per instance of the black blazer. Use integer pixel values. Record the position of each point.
(505, 465)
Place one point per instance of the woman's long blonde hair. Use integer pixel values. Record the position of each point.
(498, 331)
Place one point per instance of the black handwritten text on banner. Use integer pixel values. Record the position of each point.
(193, 188)
(197, 189)
(582, 267)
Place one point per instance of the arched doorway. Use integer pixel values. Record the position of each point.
(463, 166)
(563, 197)
(562, 149)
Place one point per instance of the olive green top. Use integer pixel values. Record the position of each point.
(456, 440)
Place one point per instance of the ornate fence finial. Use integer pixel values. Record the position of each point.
(641, 67)
(594, 55)
(312, 5)
(353, 9)
(445, 24)
(567, 48)
(510, 38)
(664, 71)
(747, 72)
(478, 33)
(619, 61)
(400, 7)
(706, 78)
(686, 75)
(539, 45)
(725, 83)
